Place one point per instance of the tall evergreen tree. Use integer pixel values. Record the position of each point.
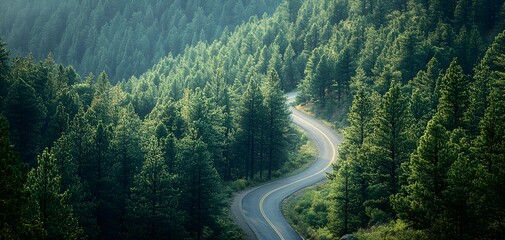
(360, 116)
(251, 120)
(13, 198)
(277, 122)
(167, 142)
(478, 98)
(344, 71)
(289, 72)
(48, 202)
(199, 183)
(423, 202)
(453, 97)
(350, 183)
(346, 209)
(154, 204)
(390, 146)
(490, 151)
(25, 111)
(127, 159)
(98, 170)
(459, 220)
(72, 151)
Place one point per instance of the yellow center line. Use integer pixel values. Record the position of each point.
(334, 153)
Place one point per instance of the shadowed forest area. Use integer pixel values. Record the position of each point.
(185, 105)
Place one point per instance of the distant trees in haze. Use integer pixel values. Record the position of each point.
(121, 38)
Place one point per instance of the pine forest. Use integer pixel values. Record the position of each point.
(143, 119)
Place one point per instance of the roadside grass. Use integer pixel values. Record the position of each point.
(336, 122)
(298, 160)
(393, 230)
(307, 211)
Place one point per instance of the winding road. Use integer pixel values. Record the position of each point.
(258, 210)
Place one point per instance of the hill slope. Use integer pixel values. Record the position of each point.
(122, 38)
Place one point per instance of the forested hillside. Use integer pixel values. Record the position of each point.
(123, 38)
(419, 85)
(424, 151)
(146, 158)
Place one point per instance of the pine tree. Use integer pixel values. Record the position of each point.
(490, 151)
(48, 202)
(277, 122)
(322, 78)
(390, 145)
(292, 8)
(468, 47)
(13, 198)
(480, 89)
(351, 182)
(25, 112)
(372, 48)
(289, 72)
(386, 78)
(459, 220)
(276, 63)
(97, 170)
(251, 120)
(453, 97)
(346, 209)
(199, 183)
(360, 116)
(202, 115)
(432, 81)
(344, 70)
(420, 107)
(409, 53)
(494, 54)
(153, 208)
(478, 92)
(423, 201)
(167, 144)
(72, 151)
(127, 159)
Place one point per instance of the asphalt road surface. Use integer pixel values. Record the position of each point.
(258, 211)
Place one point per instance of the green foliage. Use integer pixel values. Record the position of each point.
(277, 123)
(127, 38)
(13, 199)
(360, 116)
(48, 203)
(251, 121)
(199, 184)
(390, 145)
(25, 112)
(321, 75)
(308, 212)
(427, 178)
(490, 154)
(346, 199)
(424, 145)
(394, 230)
(153, 208)
(453, 101)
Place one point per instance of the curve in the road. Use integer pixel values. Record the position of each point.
(258, 211)
(334, 154)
